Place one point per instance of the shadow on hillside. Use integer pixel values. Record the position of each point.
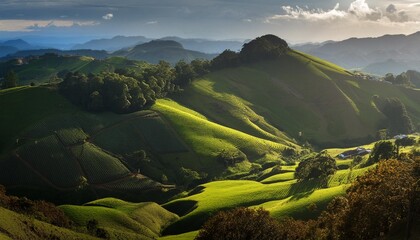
(303, 189)
(181, 208)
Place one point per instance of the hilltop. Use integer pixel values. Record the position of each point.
(156, 50)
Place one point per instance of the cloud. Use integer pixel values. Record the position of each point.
(358, 10)
(19, 25)
(247, 20)
(152, 22)
(108, 16)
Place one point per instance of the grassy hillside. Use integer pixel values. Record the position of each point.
(282, 196)
(61, 148)
(296, 94)
(123, 220)
(43, 68)
(17, 226)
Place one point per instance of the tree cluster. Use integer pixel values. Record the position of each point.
(318, 166)
(10, 80)
(398, 120)
(40, 210)
(383, 150)
(402, 80)
(382, 203)
(260, 49)
(127, 90)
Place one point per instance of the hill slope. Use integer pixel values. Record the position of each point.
(296, 94)
(103, 153)
(122, 219)
(371, 54)
(157, 50)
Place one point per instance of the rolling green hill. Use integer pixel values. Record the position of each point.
(44, 68)
(123, 220)
(296, 94)
(18, 226)
(65, 154)
(156, 50)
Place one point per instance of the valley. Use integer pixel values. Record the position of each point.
(166, 147)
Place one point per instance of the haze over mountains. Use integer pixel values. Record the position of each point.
(381, 55)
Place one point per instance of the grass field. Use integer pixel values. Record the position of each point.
(296, 94)
(18, 226)
(278, 194)
(123, 219)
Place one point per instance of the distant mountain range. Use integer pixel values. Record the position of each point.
(195, 44)
(13, 46)
(112, 44)
(389, 53)
(152, 52)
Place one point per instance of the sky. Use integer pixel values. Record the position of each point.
(297, 21)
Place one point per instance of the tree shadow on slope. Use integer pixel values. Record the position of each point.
(304, 188)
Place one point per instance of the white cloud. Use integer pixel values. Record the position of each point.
(359, 10)
(247, 20)
(152, 22)
(18, 25)
(108, 16)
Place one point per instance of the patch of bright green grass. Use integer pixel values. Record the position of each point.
(120, 217)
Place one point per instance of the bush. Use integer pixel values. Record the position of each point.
(230, 158)
(319, 166)
(240, 223)
(382, 150)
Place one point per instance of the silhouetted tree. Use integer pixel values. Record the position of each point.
(10, 80)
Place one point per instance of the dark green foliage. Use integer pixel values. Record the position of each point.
(112, 91)
(240, 224)
(40, 210)
(128, 90)
(200, 67)
(403, 79)
(405, 142)
(10, 80)
(226, 59)
(319, 166)
(263, 48)
(92, 226)
(398, 119)
(382, 150)
(231, 158)
(101, 233)
(184, 73)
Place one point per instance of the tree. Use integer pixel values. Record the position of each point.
(10, 80)
(319, 166)
(382, 150)
(263, 48)
(398, 119)
(184, 73)
(379, 201)
(226, 59)
(240, 223)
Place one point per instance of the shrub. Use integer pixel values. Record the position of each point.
(240, 223)
(319, 166)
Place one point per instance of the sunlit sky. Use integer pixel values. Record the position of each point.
(294, 20)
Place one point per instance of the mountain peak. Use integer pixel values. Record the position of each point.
(156, 44)
(18, 43)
